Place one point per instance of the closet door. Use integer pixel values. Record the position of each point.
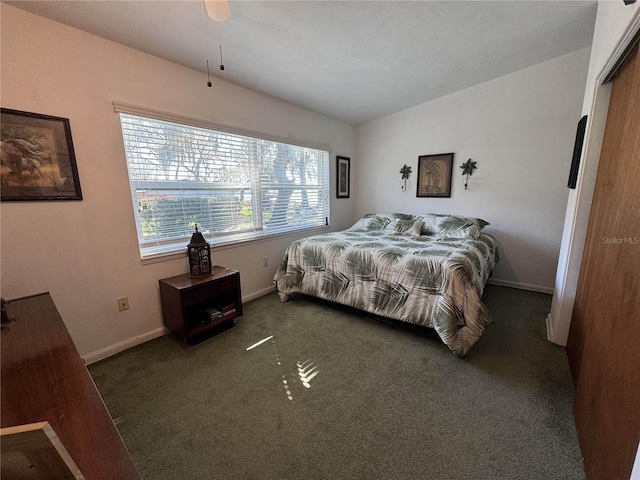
(604, 340)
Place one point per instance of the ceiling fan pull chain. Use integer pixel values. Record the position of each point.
(220, 45)
(206, 53)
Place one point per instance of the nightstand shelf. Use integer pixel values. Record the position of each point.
(195, 308)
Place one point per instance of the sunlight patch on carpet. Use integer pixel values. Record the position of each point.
(307, 370)
(285, 383)
(259, 343)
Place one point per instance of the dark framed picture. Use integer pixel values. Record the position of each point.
(343, 176)
(434, 175)
(38, 161)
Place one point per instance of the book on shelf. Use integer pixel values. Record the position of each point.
(213, 313)
(227, 308)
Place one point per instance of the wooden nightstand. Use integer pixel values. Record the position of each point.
(194, 308)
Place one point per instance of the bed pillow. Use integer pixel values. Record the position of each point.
(452, 226)
(394, 218)
(371, 221)
(408, 227)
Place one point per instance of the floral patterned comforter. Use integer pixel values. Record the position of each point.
(426, 280)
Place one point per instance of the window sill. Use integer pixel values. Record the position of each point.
(175, 254)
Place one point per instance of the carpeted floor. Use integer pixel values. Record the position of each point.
(387, 401)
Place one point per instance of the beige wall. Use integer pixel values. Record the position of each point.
(520, 129)
(85, 253)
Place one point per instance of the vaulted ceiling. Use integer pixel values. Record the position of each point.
(351, 60)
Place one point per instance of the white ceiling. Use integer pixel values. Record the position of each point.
(351, 60)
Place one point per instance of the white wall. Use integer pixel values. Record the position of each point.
(520, 129)
(85, 253)
(616, 23)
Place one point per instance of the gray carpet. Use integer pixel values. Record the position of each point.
(387, 401)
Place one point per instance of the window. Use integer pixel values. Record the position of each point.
(234, 187)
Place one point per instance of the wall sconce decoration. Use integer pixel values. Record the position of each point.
(405, 171)
(199, 253)
(467, 169)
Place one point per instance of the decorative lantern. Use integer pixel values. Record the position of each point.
(199, 253)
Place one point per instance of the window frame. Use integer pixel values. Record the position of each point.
(177, 249)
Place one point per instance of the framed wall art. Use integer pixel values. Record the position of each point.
(38, 161)
(343, 176)
(434, 175)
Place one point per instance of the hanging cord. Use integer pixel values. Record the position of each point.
(206, 48)
(220, 43)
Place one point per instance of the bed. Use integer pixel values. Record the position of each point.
(428, 270)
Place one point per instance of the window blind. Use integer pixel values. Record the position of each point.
(234, 187)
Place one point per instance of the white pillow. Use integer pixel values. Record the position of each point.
(408, 227)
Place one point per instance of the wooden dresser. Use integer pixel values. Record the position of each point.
(44, 379)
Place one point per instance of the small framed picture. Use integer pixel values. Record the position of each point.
(38, 161)
(343, 176)
(434, 175)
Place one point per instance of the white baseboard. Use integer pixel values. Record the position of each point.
(259, 293)
(520, 286)
(550, 335)
(158, 332)
(119, 347)
(552, 332)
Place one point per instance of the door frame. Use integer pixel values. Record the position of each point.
(575, 233)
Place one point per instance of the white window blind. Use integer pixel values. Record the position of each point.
(235, 187)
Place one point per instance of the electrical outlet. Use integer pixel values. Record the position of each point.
(123, 303)
(265, 261)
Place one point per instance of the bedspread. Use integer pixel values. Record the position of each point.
(430, 281)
